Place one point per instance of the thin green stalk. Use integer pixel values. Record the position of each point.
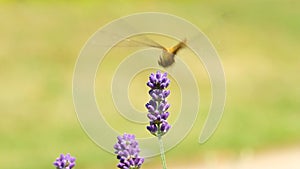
(162, 152)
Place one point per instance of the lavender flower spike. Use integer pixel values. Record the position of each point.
(158, 106)
(127, 150)
(64, 162)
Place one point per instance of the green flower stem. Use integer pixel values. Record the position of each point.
(162, 152)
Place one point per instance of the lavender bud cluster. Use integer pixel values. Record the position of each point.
(127, 150)
(64, 162)
(158, 106)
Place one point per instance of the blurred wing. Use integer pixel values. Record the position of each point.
(140, 41)
(135, 41)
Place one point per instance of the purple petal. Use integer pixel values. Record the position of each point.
(166, 93)
(158, 75)
(165, 115)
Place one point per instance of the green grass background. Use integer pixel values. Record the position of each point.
(258, 42)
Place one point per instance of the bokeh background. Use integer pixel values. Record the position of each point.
(258, 42)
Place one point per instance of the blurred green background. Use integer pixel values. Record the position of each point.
(258, 42)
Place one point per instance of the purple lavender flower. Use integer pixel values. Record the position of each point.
(64, 162)
(158, 106)
(158, 81)
(127, 150)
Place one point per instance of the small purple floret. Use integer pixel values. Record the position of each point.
(127, 150)
(158, 81)
(64, 162)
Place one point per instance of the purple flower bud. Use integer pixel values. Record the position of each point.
(151, 117)
(166, 107)
(152, 128)
(152, 78)
(165, 127)
(158, 81)
(158, 75)
(165, 75)
(166, 93)
(165, 115)
(127, 150)
(151, 85)
(151, 106)
(64, 162)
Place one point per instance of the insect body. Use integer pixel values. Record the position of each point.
(166, 59)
